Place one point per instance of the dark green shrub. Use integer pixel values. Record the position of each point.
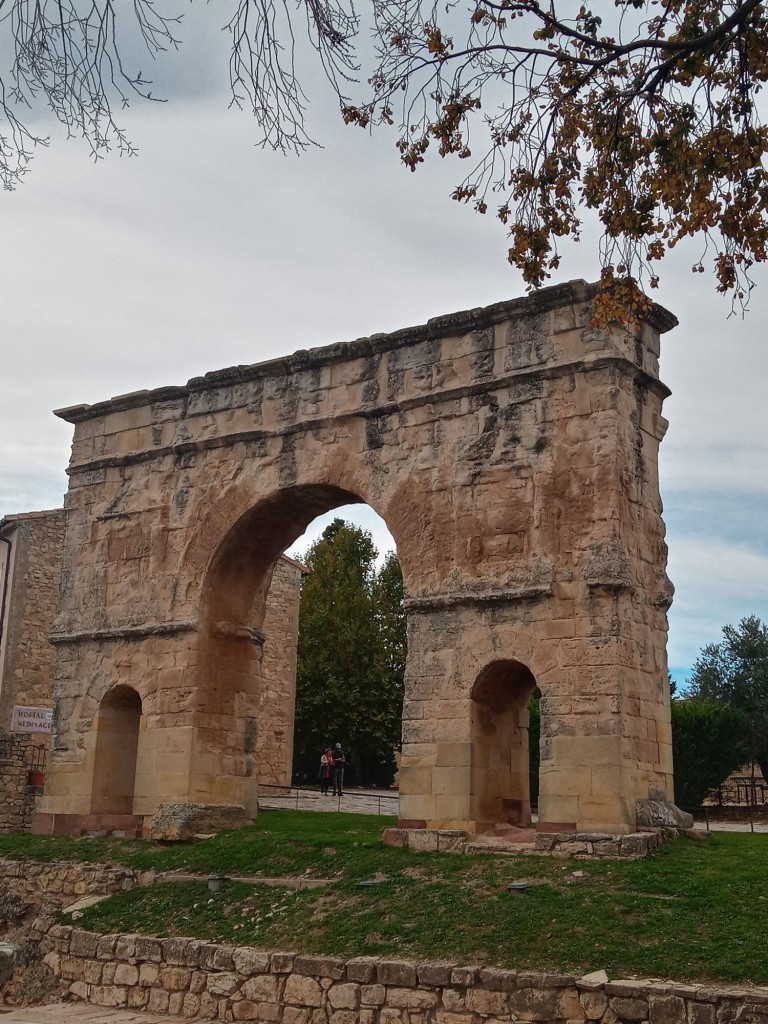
(709, 741)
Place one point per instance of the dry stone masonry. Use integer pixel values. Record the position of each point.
(19, 788)
(60, 883)
(512, 452)
(30, 571)
(213, 982)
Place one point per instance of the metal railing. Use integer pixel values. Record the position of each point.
(299, 799)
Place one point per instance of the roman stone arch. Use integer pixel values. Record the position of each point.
(512, 452)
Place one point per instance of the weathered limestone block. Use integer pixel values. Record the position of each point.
(265, 988)
(320, 966)
(434, 974)
(176, 979)
(593, 1004)
(83, 943)
(126, 974)
(281, 963)
(661, 814)
(396, 972)
(411, 999)
(701, 1013)
(79, 990)
(149, 975)
(125, 947)
(343, 1017)
(108, 995)
(148, 949)
(108, 972)
(299, 990)
(372, 995)
(294, 1015)
(362, 968)
(666, 1009)
(496, 1004)
(174, 950)
(347, 997)
(454, 1000)
(223, 984)
(545, 1003)
(244, 1009)
(630, 1009)
(158, 1001)
(446, 1017)
(182, 822)
(465, 975)
(250, 961)
(138, 998)
(497, 980)
(267, 1011)
(208, 1008)
(190, 1006)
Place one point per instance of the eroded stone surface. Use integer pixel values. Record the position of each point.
(181, 822)
(512, 452)
(661, 814)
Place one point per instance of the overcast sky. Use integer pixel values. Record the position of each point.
(205, 251)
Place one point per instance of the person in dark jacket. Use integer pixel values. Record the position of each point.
(337, 773)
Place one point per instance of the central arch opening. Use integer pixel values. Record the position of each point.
(247, 663)
(500, 782)
(351, 651)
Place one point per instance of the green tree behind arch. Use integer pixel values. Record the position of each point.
(351, 657)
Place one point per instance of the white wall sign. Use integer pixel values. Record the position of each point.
(31, 719)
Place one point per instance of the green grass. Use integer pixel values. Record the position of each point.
(692, 911)
(280, 843)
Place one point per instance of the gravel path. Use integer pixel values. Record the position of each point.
(373, 801)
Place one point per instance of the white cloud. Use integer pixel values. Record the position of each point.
(717, 583)
(205, 252)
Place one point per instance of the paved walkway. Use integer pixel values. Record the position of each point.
(373, 801)
(354, 801)
(731, 826)
(83, 1013)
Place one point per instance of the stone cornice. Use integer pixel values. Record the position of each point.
(123, 632)
(543, 301)
(440, 602)
(590, 364)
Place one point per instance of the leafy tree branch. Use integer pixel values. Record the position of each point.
(647, 113)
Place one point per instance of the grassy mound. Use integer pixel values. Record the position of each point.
(692, 911)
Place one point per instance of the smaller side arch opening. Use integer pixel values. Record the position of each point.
(117, 728)
(500, 784)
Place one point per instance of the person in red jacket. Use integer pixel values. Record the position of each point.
(326, 768)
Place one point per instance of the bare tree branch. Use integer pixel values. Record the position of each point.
(646, 113)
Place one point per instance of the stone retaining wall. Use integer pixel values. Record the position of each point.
(62, 882)
(199, 979)
(597, 845)
(18, 788)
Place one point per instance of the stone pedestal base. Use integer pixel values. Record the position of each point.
(128, 826)
(557, 844)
